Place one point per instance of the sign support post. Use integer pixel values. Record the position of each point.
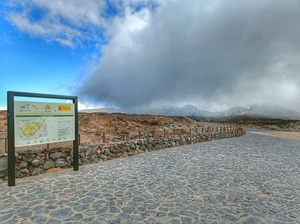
(11, 128)
(11, 139)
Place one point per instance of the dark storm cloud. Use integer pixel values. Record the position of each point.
(226, 52)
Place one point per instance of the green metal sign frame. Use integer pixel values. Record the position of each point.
(11, 128)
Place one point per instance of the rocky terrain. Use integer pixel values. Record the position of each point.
(116, 126)
(105, 122)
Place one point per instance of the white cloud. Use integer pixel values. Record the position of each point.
(85, 106)
(70, 22)
(67, 22)
(65, 42)
(213, 54)
(44, 28)
(82, 106)
(208, 54)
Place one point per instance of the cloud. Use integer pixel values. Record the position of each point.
(213, 54)
(223, 53)
(67, 22)
(65, 42)
(84, 106)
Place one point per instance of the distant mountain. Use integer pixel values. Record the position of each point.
(102, 110)
(188, 110)
(262, 110)
(257, 110)
(235, 111)
(273, 111)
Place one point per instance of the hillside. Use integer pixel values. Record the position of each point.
(114, 122)
(256, 110)
(116, 127)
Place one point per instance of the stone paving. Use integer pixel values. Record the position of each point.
(251, 179)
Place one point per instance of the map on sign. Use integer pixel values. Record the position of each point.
(39, 123)
(31, 129)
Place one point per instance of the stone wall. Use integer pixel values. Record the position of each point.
(32, 163)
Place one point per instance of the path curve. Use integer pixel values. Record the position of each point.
(250, 179)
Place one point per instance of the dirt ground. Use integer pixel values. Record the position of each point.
(116, 127)
(256, 122)
(281, 134)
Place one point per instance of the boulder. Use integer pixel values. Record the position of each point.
(57, 155)
(111, 156)
(103, 157)
(49, 164)
(3, 163)
(131, 146)
(60, 162)
(37, 171)
(36, 162)
(132, 153)
(23, 164)
(106, 151)
(22, 173)
(157, 147)
(94, 159)
(88, 151)
(3, 173)
(28, 158)
(69, 160)
(98, 151)
(94, 149)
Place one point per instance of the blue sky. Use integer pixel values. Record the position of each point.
(31, 63)
(133, 54)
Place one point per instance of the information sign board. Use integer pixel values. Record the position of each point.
(43, 122)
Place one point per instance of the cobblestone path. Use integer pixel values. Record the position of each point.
(251, 179)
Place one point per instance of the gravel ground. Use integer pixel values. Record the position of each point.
(251, 179)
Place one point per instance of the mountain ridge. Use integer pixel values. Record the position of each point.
(256, 110)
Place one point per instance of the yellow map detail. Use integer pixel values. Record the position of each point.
(31, 128)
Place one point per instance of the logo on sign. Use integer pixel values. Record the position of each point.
(47, 108)
(64, 108)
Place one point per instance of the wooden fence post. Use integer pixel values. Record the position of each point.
(103, 137)
(139, 134)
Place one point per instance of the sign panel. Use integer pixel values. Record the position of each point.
(40, 123)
